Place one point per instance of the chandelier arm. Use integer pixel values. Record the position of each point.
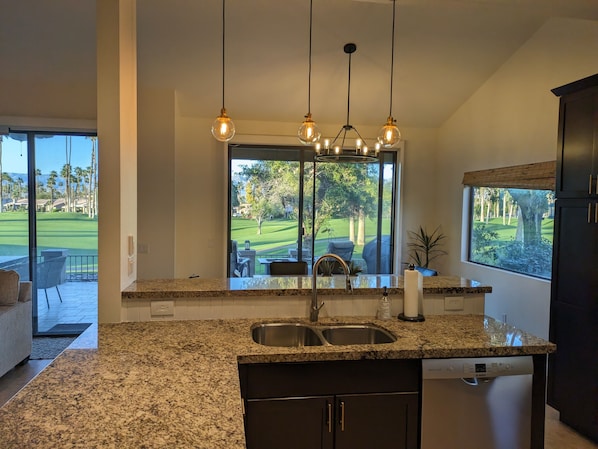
(337, 135)
(344, 136)
(392, 55)
(359, 135)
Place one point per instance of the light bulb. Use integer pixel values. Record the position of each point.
(223, 128)
(389, 135)
(308, 132)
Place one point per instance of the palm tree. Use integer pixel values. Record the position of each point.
(51, 183)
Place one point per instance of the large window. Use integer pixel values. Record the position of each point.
(284, 206)
(512, 227)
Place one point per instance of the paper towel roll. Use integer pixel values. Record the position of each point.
(411, 293)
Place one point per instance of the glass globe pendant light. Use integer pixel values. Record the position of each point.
(309, 132)
(389, 135)
(223, 128)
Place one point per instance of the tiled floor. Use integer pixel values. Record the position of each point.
(79, 305)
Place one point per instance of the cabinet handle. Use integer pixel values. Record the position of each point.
(329, 417)
(595, 212)
(590, 185)
(342, 416)
(589, 213)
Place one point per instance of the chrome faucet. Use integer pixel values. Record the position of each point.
(314, 309)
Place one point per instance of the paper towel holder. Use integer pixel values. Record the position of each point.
(414, 319)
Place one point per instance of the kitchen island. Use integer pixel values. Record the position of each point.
(175, 384)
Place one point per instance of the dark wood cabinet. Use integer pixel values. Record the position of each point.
(290, 423)
(369, 404)
(383, 421)
(573, 369)
(577, 150)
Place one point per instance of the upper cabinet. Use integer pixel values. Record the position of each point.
(577, 153)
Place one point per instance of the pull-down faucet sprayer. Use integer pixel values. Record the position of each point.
(314, 309)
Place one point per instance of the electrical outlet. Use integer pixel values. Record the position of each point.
(162, 308)
(453, 303)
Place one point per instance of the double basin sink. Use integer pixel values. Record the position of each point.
(299, 334)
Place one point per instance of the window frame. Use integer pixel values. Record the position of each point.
(536, 176)
(275, 141)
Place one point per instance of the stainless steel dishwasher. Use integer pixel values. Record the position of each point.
(473, 403)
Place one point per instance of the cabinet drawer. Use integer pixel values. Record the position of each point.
(326, 378)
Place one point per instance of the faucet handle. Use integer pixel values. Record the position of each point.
(318, 307)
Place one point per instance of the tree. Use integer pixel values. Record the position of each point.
(257, 190)
(532, 205)
(347, 190)
(51, 183)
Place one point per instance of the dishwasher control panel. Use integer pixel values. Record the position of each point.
(476, 367)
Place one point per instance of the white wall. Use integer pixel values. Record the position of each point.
(155, 184)
(512, 119)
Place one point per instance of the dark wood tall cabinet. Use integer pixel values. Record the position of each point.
(573, 369)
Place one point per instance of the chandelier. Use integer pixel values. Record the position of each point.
(335, 150)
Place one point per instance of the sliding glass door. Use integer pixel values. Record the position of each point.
(58, 212)
(284, 206)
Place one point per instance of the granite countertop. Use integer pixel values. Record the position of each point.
(292, 286)
(174, 384)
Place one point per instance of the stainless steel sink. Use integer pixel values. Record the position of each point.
(357, 334)
(298, 334)
(285, 334)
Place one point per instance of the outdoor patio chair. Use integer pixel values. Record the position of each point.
(49, 274)
(282, 268)
(343, 249)
(239, 266)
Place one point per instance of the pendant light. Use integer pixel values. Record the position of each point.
(308, 131)
(389, 135)
(223, 128)
(335, 150)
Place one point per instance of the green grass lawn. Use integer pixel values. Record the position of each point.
(75, 232)
(507, 232)
(279, 235)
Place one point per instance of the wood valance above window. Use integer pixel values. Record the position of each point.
(537, 176)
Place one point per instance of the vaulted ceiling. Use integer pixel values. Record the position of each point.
(445, 50)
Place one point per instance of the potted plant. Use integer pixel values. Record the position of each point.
(424, 247)
(354, 268)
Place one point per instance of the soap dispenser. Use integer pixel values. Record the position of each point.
(383, 312)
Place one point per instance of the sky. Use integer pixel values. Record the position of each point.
(50, 153)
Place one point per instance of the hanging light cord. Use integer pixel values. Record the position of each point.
(392, 55)
(223, 48)
(349, 91)
(309, 65)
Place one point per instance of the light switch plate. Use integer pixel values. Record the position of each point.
(162, 308)
(453, 303)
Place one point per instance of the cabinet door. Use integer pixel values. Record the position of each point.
(577, 164)
(575, 266)
(573, 368)
(377, 421)
(289, 423)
